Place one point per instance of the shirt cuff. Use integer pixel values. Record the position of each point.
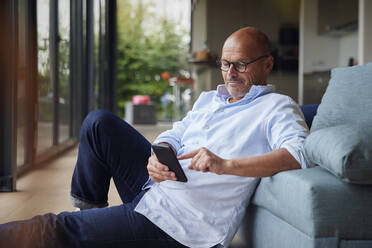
(148, 184)
(173, 143)
(298, 154)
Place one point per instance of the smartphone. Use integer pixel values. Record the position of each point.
(166, 156)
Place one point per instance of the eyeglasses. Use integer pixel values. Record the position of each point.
(238, 66)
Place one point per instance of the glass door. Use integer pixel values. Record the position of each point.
(45, 87)
(21, 85)
(25, 106)
(53, 32)
(64, 70)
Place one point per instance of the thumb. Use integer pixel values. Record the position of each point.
(188, 155)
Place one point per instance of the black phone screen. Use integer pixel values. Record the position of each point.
(166, 156)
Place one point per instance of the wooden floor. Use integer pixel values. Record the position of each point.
(43, 190)
(46, 189)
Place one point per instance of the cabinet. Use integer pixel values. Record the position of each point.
(140, 113)
(315, 85)
(337, 17)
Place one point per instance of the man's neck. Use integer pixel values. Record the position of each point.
(234, 99)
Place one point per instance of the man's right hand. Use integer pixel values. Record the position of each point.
(158, 171)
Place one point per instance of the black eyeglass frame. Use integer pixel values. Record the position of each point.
(219, 63)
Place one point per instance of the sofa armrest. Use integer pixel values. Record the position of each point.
(317, 203)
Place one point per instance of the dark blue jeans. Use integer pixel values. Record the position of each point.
(109, 148)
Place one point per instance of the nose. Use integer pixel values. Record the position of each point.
(232, 71)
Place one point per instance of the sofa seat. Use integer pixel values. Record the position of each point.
(318, 204)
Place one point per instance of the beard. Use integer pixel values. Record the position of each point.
(239, 86)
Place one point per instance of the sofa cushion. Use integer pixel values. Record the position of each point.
(346, 102)
(344, 150)
(347, 99)
(318, 203)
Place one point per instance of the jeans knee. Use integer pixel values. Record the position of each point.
(94, 117)
(98, 115)
(92, 121)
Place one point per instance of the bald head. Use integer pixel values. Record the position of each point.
(248, 48)
(251, 38)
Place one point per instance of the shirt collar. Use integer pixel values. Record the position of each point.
(254, 92)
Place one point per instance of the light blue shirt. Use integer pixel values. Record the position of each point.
(208, 209)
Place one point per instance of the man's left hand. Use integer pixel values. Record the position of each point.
(206, 161)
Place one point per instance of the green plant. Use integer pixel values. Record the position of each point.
(148, 45)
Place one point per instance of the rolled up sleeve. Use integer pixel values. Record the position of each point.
(286, 128)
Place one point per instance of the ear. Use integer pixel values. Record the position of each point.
(269, 64)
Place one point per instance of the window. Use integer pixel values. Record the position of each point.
(45, 87)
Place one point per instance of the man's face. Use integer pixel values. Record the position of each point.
(239, 83)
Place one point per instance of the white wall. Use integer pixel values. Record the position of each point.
(348, 49)
(320, 53)
(324, 52)
(199, 29)
(365, 34)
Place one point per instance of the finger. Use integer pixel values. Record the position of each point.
(206, 164)
(193, 162)
(162, 174)
(204, 167)
(155, 172)
(159, 171)
(155, 165)
(157, 178)
(188, 155)
(153, 158)
(199, 164)
(159, 166)
(162, 177)
(155, 162)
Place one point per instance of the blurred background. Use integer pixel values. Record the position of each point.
(147, 61)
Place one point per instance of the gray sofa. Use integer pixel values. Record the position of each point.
(329, 205)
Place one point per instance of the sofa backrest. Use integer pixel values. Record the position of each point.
(340, 137)
(348, 98)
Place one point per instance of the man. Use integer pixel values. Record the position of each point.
(231, 138)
